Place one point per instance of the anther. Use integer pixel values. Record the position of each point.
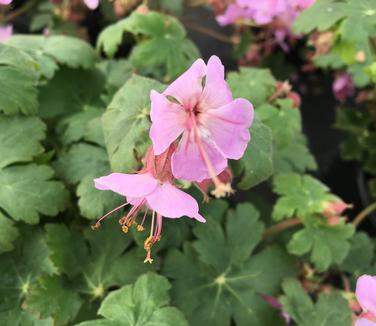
(96, 226)
(222, 190)
(140, 228)
(125, 229)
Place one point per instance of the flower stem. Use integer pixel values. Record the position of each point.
(363, 214)
(277, 228)
(12, 15)
(207, 31)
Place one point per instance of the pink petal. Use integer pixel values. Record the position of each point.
(187, 163)
(168, 122)
(5, 32)
(128, 185)
(229, 127)
(5, 2)
(366, 293)
(233, 13)
(171, 202)
(187, 88)
(364, 322)
(92, 4)
(216, 91)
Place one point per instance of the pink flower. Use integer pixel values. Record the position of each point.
(150, 189)
(366, 294)
(232, 14)
(5, 2)
(263, 11)
(91, 4)
(343, 86)
(198, 109)
(5, 32)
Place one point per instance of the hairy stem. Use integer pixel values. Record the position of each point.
(207, 31)
(277, 228)
(363, 214)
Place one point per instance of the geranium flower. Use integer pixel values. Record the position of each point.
(198, 110)
(151, 189)
(91, 4)
(366, 294)
(233, 13)
(343, 87)
(263, 11)
(5, 2)
(5, 32)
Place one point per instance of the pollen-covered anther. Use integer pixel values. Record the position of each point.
(140, 228)
(148, 244)
(125, 228)
(123, 220)
(222, 190)
(96, 226)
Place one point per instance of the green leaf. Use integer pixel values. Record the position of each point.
(69, 91)
(18, 79)
(360, 22)
(144, 303)
(237, 247)
(68, 250)
(126, 123)
(65, 50)
(328, 244)
(322, 15)
(257, 164)
(300, 196)
(28, 191)
(18, 270)
(8, 233)
(360, 256)
(50, 297)
(284, 120)
(17, 317)
(117, 72)
(76, 126)
(108, 266)
(256, 85)
(20, 139)
(94, 203)
(217, 279)
(330, 310)
(295, 157)
(162, 46)
(80, 161)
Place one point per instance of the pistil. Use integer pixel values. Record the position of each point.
(221, 189)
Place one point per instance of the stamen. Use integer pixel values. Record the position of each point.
(140, 227)
(147, 246)
(155, 235)
(221, 189)
(97, 225)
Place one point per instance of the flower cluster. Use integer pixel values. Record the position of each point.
(196, 127)
(276, 15)
(263, 12)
